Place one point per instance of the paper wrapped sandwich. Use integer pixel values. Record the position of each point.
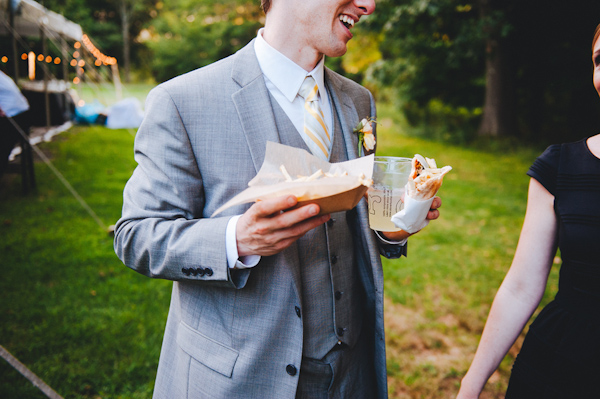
(425, 178)
(423, 183)
(292, 171)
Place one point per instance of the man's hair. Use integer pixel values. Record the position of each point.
(596, 34)
(265, 4)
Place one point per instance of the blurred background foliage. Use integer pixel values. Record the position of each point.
(490, 67)
(196, 33)
(456, 70)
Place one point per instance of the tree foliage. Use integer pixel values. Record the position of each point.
(102, 21)
(424, 44)
(191, 34)
(434, 56)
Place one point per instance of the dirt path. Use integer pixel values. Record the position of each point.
(427, 358)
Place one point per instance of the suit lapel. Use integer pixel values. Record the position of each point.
(344, 107)
(253, 104)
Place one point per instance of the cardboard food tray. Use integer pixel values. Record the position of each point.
(343, 201)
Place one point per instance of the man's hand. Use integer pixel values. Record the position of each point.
(265, 229)
(431, 215)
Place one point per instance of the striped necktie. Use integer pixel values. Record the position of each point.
(319, 140)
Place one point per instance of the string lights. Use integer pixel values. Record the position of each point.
(105, 59)
(31, 62)
(76, 62)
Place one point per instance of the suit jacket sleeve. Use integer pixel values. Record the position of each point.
(162, 232)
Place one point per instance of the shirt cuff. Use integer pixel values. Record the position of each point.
(234, 261)
(401, 242)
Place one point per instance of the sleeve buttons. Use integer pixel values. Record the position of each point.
(198, 271)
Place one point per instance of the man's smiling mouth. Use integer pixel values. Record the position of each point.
(347, 21)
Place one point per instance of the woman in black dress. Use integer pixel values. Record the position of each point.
(560, 357)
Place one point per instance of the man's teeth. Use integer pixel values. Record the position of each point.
(348, 21)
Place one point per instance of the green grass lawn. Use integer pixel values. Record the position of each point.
(106, 93)
(69, 309)
(91, 328)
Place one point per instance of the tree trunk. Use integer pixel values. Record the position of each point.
(499, 114)
(125, 13)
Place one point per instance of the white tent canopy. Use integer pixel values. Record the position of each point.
(32, 20)
(31, 17)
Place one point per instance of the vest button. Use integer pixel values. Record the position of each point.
(340, 331)
(291, 369)
(330, 222)
(298, 312)
(334, 259)
(338, 295)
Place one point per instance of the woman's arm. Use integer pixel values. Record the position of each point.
(520, 292)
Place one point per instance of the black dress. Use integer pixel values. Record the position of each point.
(560, 357)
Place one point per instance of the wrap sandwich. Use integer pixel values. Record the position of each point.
(424, 181)
(425, 178)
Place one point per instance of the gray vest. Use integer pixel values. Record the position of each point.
(331, 293)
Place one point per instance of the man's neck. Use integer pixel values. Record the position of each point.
(284, 41)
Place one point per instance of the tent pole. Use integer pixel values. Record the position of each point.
(65, 63)
(45, 72)
(117, 80)
(11, 24)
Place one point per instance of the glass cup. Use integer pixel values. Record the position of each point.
(386, 195)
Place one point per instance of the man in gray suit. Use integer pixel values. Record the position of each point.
(267, 302)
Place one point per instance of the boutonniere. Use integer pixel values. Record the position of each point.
(366, 138)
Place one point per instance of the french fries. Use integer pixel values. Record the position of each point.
(285, 173)
(320, 175)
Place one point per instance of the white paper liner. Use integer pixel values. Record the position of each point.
(270, 182)
(414, 215)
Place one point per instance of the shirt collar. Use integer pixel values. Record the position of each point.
(284, 73)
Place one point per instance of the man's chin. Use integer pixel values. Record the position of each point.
(337, 52)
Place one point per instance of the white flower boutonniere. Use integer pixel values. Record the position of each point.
(366, 138)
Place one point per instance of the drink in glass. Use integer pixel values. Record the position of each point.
(386, 196)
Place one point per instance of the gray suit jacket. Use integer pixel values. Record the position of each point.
(229, 333)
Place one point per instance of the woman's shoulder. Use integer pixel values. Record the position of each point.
(551, 155)
(554, 152)
(545, 167)
(561, 161)
(580, 152)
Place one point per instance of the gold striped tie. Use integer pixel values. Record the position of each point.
(314, 120)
